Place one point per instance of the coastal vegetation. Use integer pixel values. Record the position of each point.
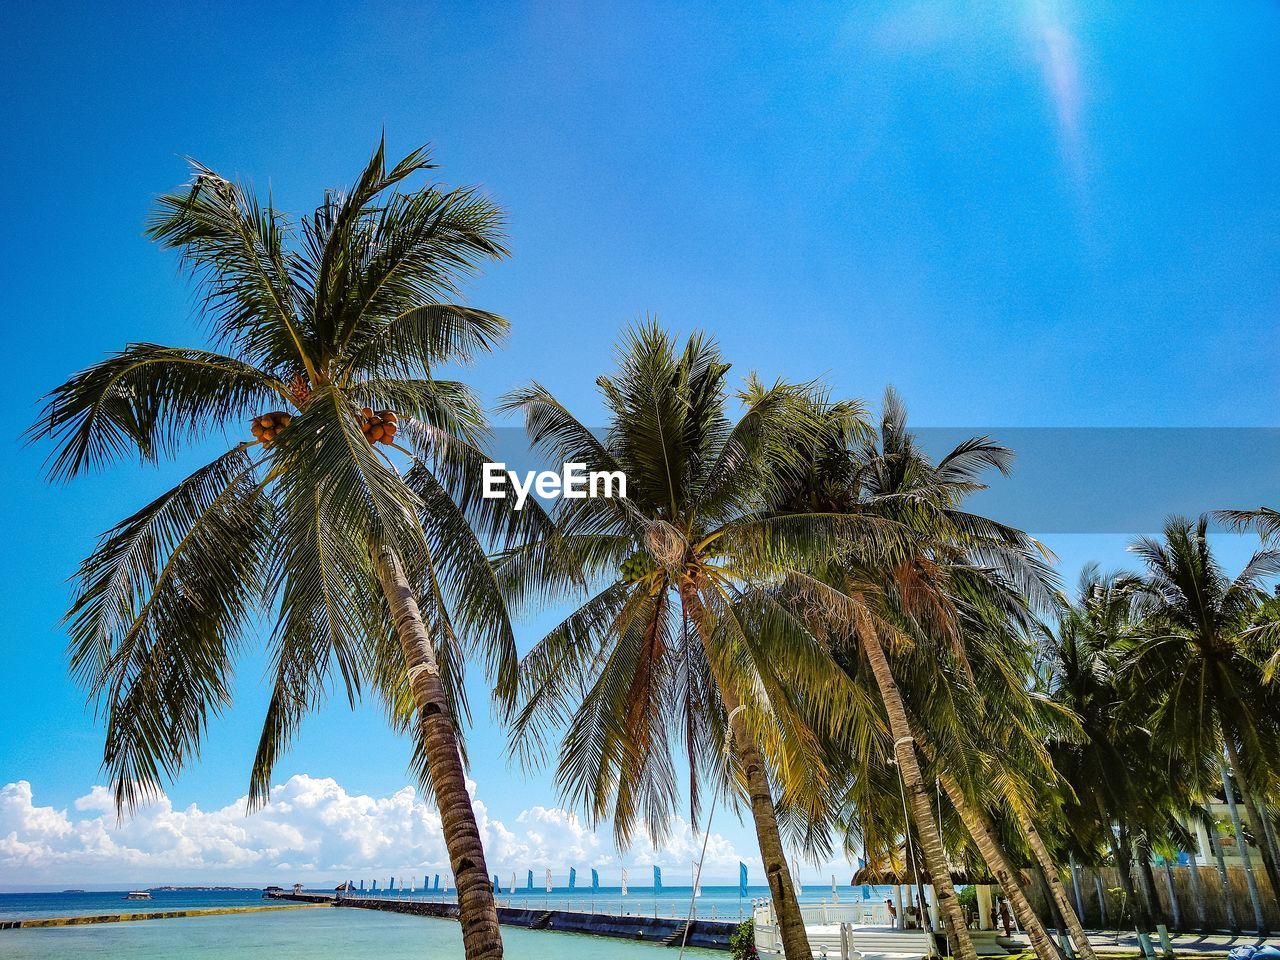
(788, 609)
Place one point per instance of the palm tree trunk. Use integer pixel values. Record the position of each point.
(1075, 885)
(1197, 890)
(1174, 907)
(1255, 817)
(1119, 853)
(1053, 876)
(795, 939)
(1059, 925)
(1243, 846)
(1224, 885)
(978, 822)
(764, 815)
(1147, 881)
(481, 938)
(935, 856)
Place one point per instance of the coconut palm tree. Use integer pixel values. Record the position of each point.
(1196, 650)
(344, 518)
(1124, 798)
(927, 601)
(680, 641)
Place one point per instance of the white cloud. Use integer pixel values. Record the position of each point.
(313, 830)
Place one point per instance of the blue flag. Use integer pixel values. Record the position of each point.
(595, 880)
(437, 883)
(657, 879)
(496, 888)
(742, 879)
(530, 879)
(375, 886)
(573, 877)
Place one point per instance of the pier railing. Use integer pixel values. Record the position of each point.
(868, 913)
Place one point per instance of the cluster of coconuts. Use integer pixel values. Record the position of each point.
(637, 566)
(268, 425)
(379, 426)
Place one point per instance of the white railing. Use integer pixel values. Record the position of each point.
(836, 941)
(866, 913)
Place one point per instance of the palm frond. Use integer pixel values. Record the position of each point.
(147, 400)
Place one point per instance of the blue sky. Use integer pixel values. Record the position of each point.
(1020, 214)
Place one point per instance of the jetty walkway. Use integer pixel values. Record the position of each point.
(708, 934)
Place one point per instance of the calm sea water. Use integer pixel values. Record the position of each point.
(323, 934)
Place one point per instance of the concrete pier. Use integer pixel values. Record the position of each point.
(708, 934)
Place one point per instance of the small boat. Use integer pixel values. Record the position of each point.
(138, 895)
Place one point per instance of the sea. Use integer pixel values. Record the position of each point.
(320, 934)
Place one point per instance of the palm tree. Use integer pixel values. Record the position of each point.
(929, 601)
(1124, 798)
(681, 642)
(1196, 649)
(325, 338)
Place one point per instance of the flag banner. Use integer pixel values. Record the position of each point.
(437, 883)
(835, 896)
(530, 879)
(624, 881)
(573, 878)
(548, 879)
(446, 883)
(362, 885)
(375, 886)
(866, 892)
(595, 880)
(742, 879)
(657, 879)
(795, 879)
(496, 887)
(512, 888)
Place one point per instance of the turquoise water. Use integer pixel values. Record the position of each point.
(15, 905)
(306, 934)
(328, 934)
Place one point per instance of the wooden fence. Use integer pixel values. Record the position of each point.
(1182, 911)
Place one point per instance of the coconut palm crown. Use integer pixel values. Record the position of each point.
(681, 638)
